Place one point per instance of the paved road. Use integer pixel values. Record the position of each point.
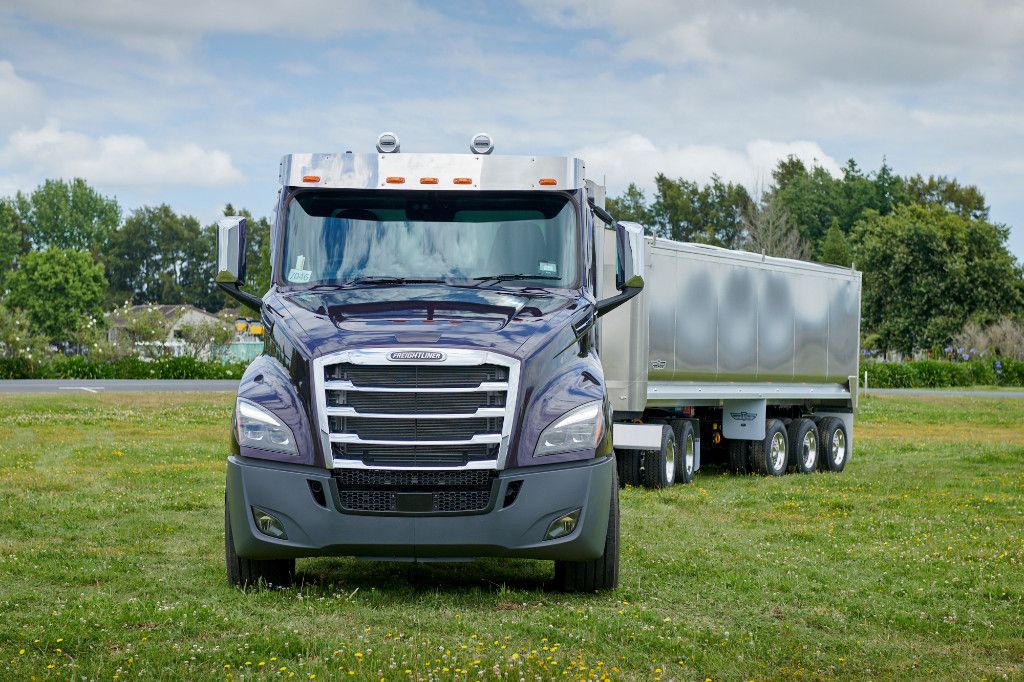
(943, 392)
(114, 385)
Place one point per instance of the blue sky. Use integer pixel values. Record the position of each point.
(193, 103)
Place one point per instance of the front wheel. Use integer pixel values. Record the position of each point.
(244, 572)
(597, 574)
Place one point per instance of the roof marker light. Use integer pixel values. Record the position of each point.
(428, 181)
(547, 181)
(463, 181)
(387, 143)
(311, 178)
(481, 144)
(395, 180)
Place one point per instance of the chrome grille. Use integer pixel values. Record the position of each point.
(378, 412)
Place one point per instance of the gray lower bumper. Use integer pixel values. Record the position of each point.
(517, 530)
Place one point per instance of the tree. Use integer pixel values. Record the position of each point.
(966, 200)
(158, 256)
(711, 214)
(13, 241)
(201, 338)
(69, 215)
(927, 270)
(632, 206)
(769, 230)
(835, 248)
(18, 338)
(61, 291)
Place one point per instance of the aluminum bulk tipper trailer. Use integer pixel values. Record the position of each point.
(752, 357)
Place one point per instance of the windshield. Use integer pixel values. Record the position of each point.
(337, 237)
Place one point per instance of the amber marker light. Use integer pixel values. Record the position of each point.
(395, 180)
(311, 178)
(547, 182)
(463, 181)
(428, 181)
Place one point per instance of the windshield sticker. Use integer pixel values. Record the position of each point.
(547, 268)
(299, 273)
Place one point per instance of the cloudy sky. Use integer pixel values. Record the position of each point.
(193, 102)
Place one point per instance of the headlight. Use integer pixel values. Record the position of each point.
(577, 429)
(259, 428)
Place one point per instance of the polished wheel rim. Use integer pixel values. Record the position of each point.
(778, 450)
(810, 449)
(670, 461)
(688, 455)
(838, 446)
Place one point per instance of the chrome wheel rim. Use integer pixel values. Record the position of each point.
(670, 461)
(810, 449)
(838, 447)
(688, 454)
(778, 451)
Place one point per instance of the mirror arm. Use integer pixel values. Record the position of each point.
(245, 298)
(601, 213)
(609, 304)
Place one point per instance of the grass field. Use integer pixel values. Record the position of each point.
(908, 565)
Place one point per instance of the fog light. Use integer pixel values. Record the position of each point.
(563, 525)
(268, 524)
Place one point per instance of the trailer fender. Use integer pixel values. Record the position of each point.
(743, 419)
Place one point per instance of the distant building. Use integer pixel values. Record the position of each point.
(244, 346)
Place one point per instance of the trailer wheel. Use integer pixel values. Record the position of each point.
(738, 450)
(803, 443)
(254, 572)
(687, 458)
(660, 465)
(769, 457)
(834, 445)
(597, 574)
(628, 464)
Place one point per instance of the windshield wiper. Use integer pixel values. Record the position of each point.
(510, 277)
(388, 281)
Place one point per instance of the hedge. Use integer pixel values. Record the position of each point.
(943, 374)
(79, 367)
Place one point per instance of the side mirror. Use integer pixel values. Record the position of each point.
(231, 251)
(629, 266)
(231, 261)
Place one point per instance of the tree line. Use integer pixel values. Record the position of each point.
(933, 263)
(69, 254)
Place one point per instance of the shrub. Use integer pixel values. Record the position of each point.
(943, 374)
(82, 367)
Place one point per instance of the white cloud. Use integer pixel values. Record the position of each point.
(911, 41)
(635, 158)
(20, 100)
(110, 160)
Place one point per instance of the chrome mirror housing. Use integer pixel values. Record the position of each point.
(231, 250)
(629, 265)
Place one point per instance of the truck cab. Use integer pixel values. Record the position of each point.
(430, 387)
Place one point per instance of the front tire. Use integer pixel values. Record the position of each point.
(660, 465)
(628, 464)
(770, 456)
(244, 572)
(597, 574)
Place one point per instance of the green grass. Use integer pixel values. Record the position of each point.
(909, 564)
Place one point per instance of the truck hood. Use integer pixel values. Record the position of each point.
(512, 322)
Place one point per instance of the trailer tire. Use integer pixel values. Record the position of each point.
(770, 457)
(738, 451)
(833, 444)
(244, 572)
(686, 459)
(803, 444)
(597, 574)
(627, 462)
(660, 465)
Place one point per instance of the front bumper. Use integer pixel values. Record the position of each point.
(516, 530)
